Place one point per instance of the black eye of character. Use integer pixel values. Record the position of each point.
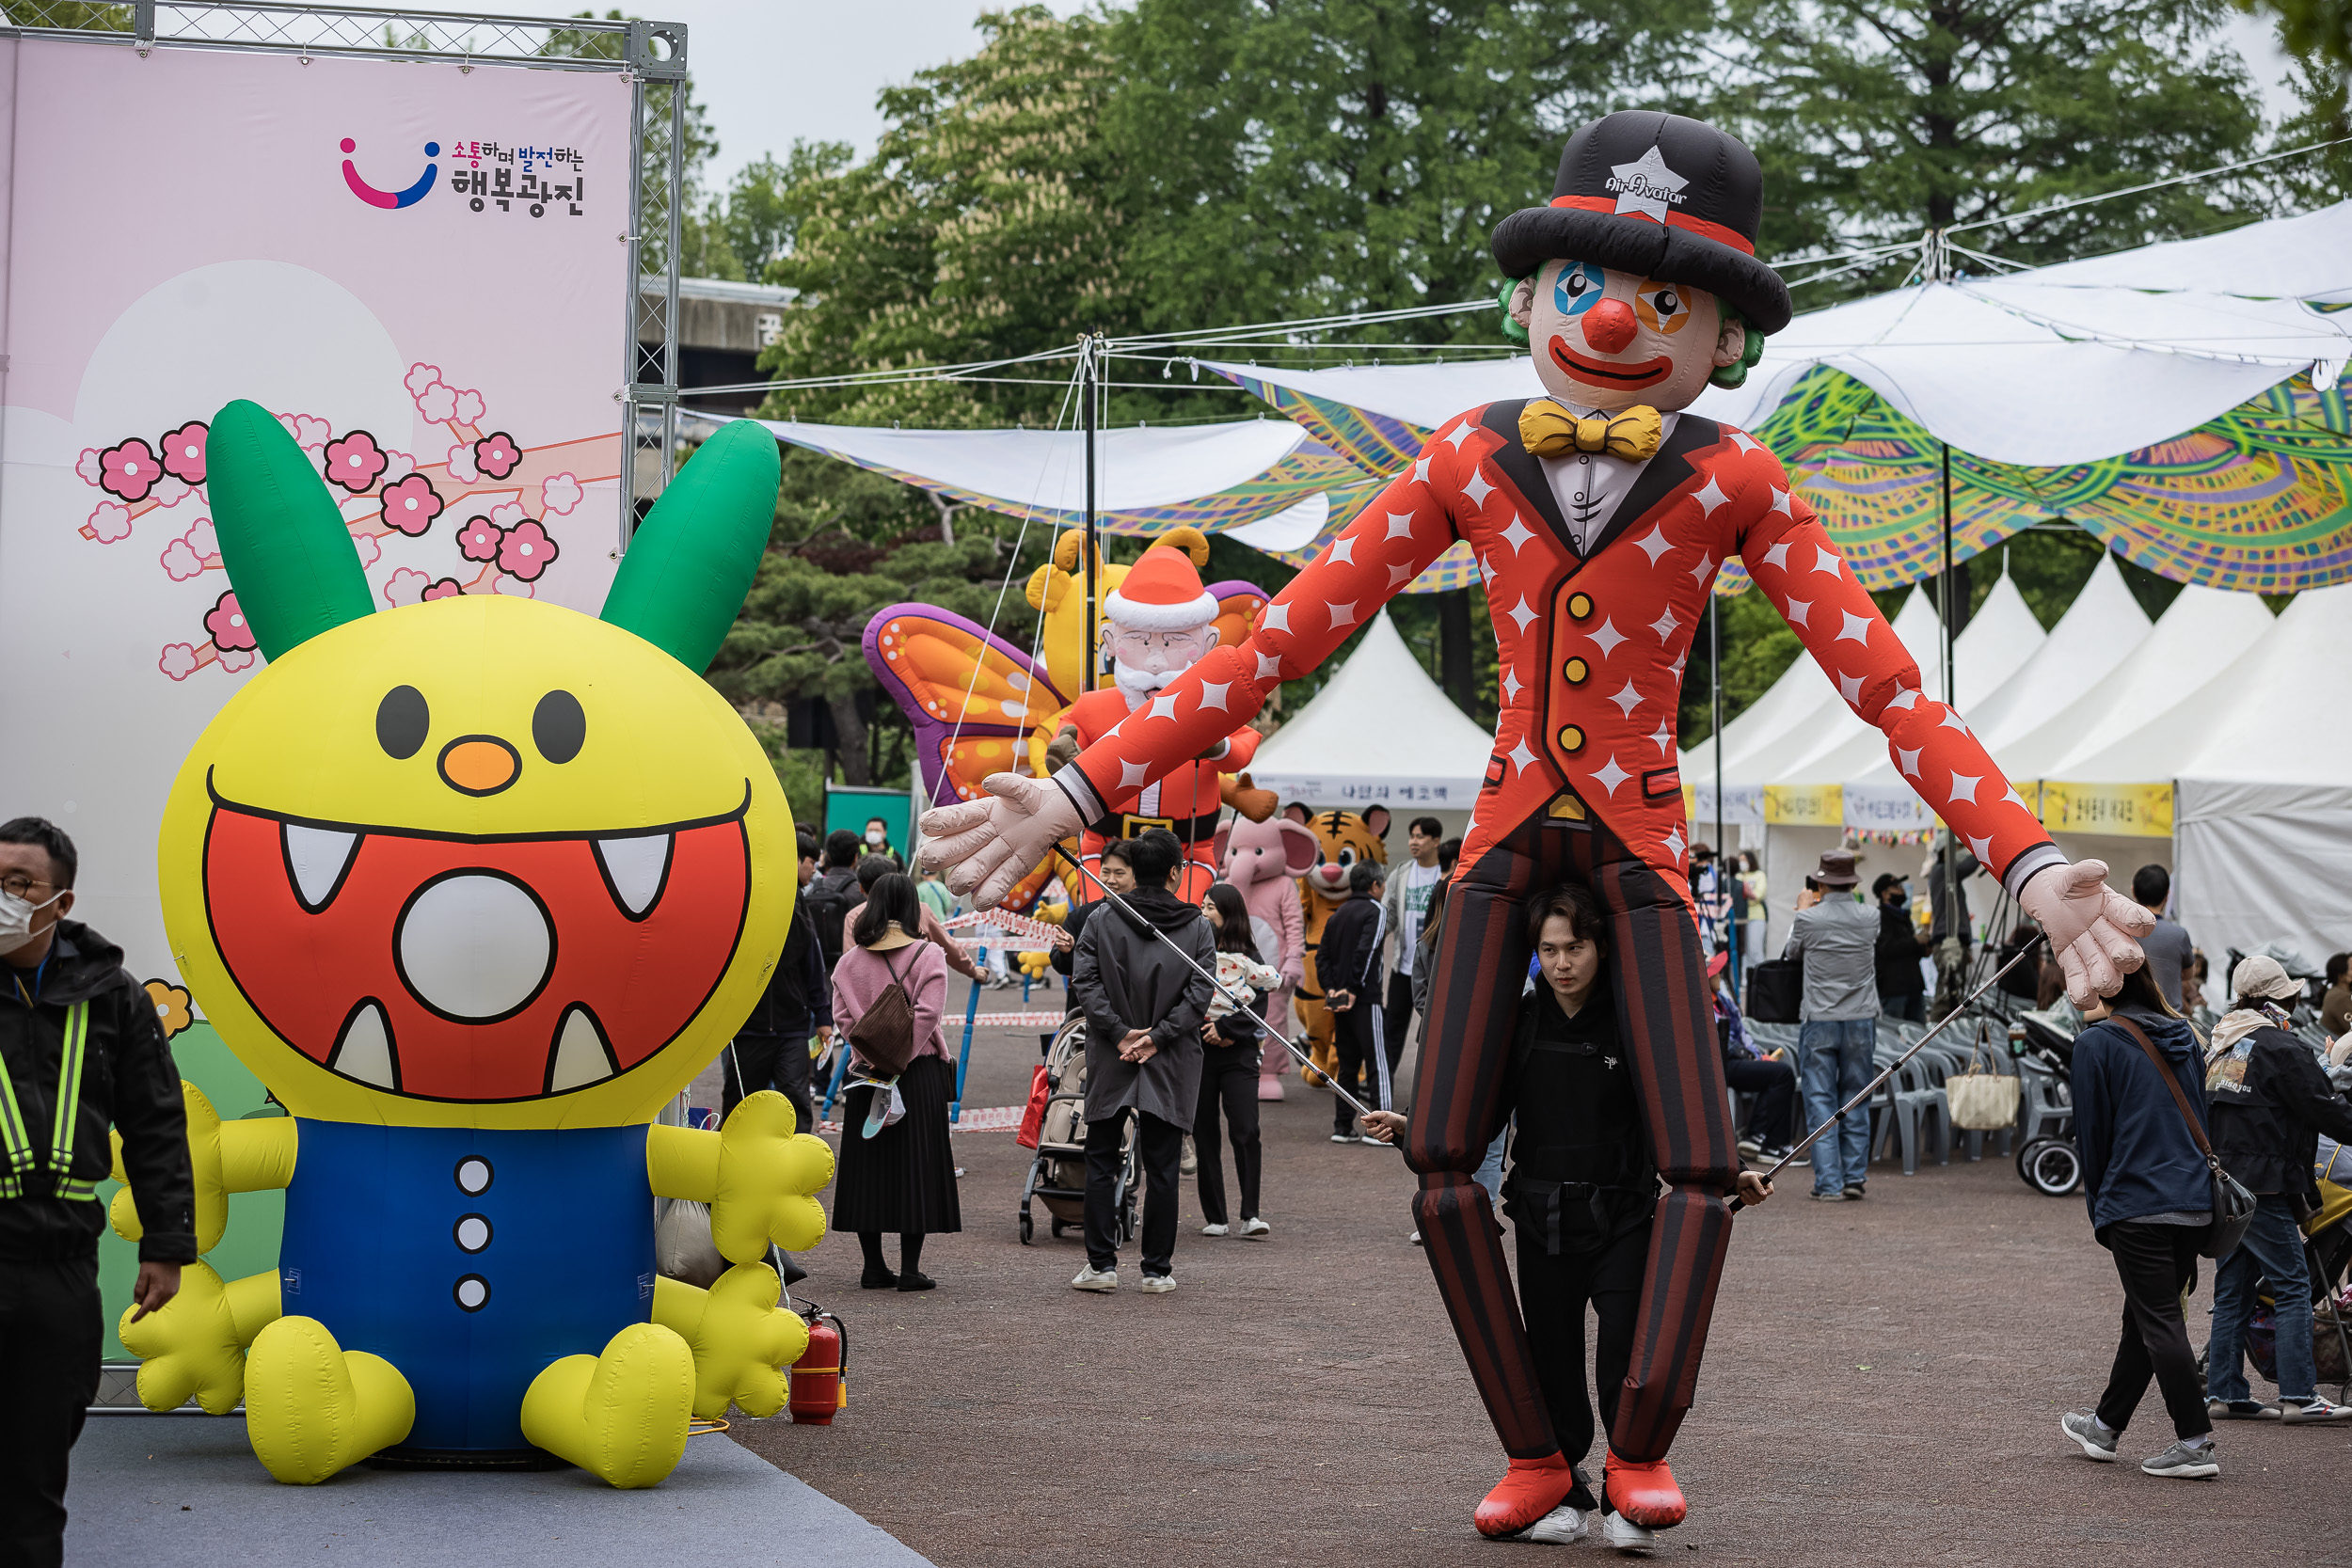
(1669, 303)
(402, 719)
(557, 727)
(1576, 282)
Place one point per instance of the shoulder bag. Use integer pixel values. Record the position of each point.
(2232, 1205)
(884, 1033)
(1773, 991)
(1982, 1098)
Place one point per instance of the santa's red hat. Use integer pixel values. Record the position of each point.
(1162, 591)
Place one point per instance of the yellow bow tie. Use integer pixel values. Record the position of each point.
(1548, 430)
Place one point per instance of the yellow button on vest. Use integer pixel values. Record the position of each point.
(1576, 670)
(1580, 605)
(1571, 738)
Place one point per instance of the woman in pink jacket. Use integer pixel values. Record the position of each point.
(904, 1177)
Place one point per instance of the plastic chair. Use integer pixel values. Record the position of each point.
(1919, 1106)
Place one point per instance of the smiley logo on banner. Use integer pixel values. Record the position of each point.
(389, 199)
(478, 861)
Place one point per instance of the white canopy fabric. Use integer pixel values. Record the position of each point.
(1379, 733)
(2100, 629)
(1788, 721)
(2308, 256)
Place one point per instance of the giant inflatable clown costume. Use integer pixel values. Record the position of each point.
(475, 886)
(1600, 517)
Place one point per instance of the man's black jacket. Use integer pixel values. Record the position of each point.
(1348, 956)
(2268, 1108)
(128, 1082)
(1898, 955)
(800, 991)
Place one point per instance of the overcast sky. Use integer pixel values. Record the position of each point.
(772, 71)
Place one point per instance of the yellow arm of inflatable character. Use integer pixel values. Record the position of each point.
(226, 1157)
(741, 1338)
(759, 1176)
(195, 1347)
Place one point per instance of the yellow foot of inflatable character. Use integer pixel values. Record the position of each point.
(621, 1415)
(313, 1408)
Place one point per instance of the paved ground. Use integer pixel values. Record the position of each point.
(1884, 1381)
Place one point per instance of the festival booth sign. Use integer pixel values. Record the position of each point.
(413, 268)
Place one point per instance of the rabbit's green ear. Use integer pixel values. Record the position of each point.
(283, 539)
(693, 558)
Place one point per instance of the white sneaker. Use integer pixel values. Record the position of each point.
(1217, 1229)
(1188, 1163)
(1558, 1527)
(1627, 1536)
(1345, 1138)
(1255, 1230)
(1157, 1284)
(2318, 1409)
(1092, 1279)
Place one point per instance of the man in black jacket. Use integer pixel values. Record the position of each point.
(2269, 1099)
(770, 1050)
(70, 1019)
(834, 893)
(1347, 962)
(1902, 989)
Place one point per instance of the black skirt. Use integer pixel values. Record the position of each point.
(904, 1177)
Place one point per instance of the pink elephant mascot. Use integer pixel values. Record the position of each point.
(1264, 859)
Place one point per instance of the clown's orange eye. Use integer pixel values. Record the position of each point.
(402, 721)
(1663, 307)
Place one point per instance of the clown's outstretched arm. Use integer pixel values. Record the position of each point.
(758, 1176)
(988, 846)
(1786, 549)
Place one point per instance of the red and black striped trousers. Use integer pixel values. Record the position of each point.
(1668, 1028)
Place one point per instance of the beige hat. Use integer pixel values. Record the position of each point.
(2261, 976)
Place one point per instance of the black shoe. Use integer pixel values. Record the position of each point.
(916, 1281)
(873, 1279)
(1855, 1194)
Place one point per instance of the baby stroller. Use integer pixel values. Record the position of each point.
(1058, 1174)
(2043, 1044)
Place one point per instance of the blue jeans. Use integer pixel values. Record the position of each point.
(1834, 1060)
(2272, 1251)
(1490, 1169)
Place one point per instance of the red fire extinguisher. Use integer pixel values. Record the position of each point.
(820, 1383)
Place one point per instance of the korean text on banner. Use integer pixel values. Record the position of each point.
(1805, 805)
(2124, 810)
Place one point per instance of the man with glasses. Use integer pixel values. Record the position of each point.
(80, 1050)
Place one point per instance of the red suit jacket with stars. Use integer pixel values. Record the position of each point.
(1592, 645)
(1184, 799)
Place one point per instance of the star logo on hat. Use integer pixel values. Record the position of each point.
(1646, 187)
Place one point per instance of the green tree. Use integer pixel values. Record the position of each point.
(2319, 32)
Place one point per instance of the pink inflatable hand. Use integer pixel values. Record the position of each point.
(988, 846)
(2092, 927)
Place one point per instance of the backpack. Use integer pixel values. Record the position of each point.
(828, 900)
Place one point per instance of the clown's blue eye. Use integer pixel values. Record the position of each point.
(1581, 283)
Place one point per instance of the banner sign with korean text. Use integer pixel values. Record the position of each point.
(418, 267)
(2125, 810)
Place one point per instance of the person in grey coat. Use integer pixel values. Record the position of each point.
(1144, 1006)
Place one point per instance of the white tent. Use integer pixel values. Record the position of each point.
(1379, 733)
(2101, 629)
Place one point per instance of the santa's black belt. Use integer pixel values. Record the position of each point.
(1189, 830)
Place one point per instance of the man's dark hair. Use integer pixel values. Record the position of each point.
(1363, 877)
(52, 841)
(1121, 851)
(891, 898)
(1886, 879)
(842, 847)
(1448, 852)
(810, 848)
(2150, 886)
(1575, 903)
(1151, 854)
(2337, 964)
(1428, 827)
(872, 869)
(878, 822)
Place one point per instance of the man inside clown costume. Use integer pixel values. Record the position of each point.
(1600, 515)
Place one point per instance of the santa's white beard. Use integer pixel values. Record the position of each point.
(1138, 686)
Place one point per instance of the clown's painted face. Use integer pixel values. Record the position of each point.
(1605, 340)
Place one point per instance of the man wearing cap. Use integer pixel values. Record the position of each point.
(1158, 623)
(1837, 936)
(1600, 517)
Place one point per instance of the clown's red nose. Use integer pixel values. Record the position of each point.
(1608, 325)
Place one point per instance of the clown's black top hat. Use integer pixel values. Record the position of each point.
(1655, 194)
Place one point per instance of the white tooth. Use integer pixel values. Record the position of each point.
(579, 1058)
(636, 867)
(317, 857)
(365, 1051)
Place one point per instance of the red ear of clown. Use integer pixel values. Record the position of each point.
(284, 540)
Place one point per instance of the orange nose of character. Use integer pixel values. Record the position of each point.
(1608, 325)
(479, 765)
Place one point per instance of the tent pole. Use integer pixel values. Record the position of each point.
(1955, 901)
(1715, 732)
(1087, 393)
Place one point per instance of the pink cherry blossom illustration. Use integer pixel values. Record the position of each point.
(226, 624)
(130, 471)
(237, 658)
(88, 467)
(370, 551)
(507, 514)
(180, 562)
(397, 466)
(354, 462)
(514, 588)
(405, 587)
(479, 539)
(468, 409)
(494, 454)
(411, 506)
(557, 495)
(203, 540)
(178, 661)
(448, 588)
(438, 403)
(420, 377)
(310, 432)
(526, 551)
(108, 522)
(184, 451)
(169, 492)
(461, 467)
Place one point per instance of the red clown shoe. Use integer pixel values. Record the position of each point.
(1643, 1493)
(1533, 1488)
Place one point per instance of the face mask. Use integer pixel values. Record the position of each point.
(1898, 902)
(16, 919)
(875, 839)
